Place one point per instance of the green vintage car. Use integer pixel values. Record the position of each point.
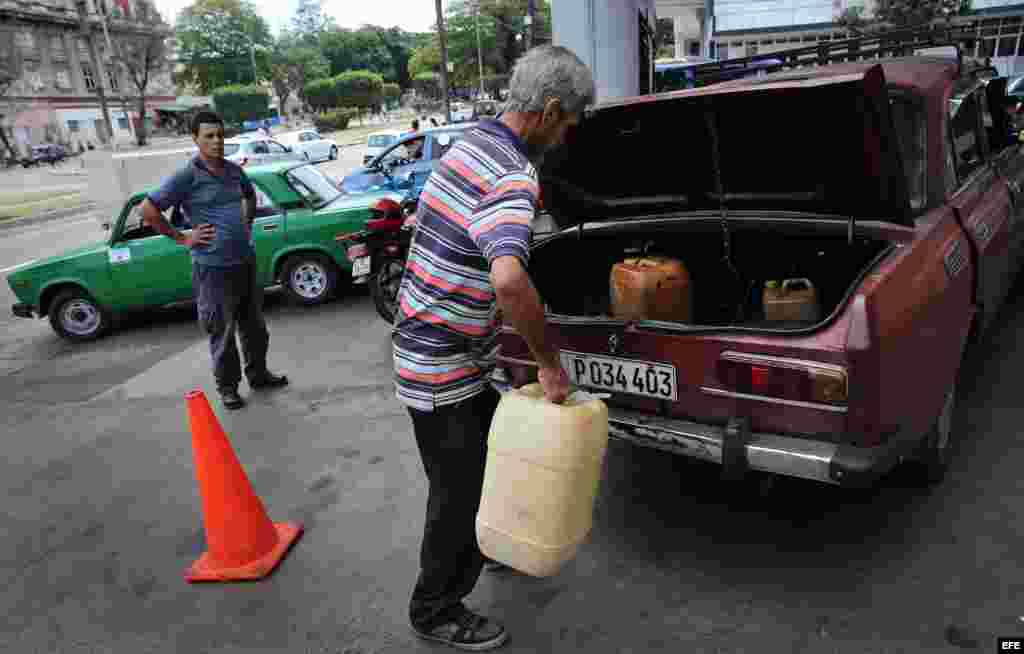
(300, 216)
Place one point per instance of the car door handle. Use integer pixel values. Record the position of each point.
(271, 227)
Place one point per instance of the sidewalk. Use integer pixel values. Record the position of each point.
(101, 528)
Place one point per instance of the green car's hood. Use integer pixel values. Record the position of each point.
(91, 248)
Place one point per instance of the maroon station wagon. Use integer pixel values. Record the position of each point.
(893, 185)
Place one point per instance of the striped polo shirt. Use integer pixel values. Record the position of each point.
(476, 206)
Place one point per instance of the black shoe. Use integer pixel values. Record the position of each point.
(232, 400)
(268, 380)
(467, 631)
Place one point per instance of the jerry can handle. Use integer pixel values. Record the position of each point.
(786, 283)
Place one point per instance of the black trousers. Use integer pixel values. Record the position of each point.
(229, 300)
(453, 447)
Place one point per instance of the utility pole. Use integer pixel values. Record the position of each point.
(444, 62)
(479, 49)
(530, 11)
(95, 56)
(120, 60)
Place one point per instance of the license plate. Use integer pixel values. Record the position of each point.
(361, 266)
(644, 378)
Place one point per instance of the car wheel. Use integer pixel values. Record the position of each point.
(310, 279)
(334, 152)
(76, 317)
(384, 285)
(934, 455)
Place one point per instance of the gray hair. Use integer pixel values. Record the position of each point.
(550, 72)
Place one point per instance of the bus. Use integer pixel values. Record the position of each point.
(683, 73)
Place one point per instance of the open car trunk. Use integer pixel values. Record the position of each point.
(722, 295)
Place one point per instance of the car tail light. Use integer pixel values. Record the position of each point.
(787, 379)
(356, 251)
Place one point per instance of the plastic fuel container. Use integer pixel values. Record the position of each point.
(791, 300)
(544, 465)
(651, 288)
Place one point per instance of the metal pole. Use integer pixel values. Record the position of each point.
(252, 54)
(444, 61)
(112, 52)
(529, 24)
(479, 49)
(94, 55)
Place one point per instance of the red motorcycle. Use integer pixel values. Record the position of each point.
(378, 253)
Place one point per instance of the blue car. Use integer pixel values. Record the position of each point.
(405, 165)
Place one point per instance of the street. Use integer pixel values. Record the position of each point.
(102, 513)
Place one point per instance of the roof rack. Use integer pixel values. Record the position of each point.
(895, 43)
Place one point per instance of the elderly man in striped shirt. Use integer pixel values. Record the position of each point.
(467, 261)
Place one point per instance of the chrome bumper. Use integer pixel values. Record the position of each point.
(830, 463)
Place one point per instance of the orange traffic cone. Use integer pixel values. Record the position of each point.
(242, 542)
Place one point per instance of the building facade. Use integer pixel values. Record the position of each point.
(56, 76)
(727, 29)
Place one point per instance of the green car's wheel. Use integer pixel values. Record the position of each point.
(310, 278)
(77, 317)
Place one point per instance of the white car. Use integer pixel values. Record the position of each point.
(259, 150)
(379, 142)
(461, 112)
(309, 144)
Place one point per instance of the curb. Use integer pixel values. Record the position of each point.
(46, 217)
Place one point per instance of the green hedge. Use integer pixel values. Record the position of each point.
(239, 103)
(334, 120)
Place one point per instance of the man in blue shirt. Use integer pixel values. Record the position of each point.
(220, 202)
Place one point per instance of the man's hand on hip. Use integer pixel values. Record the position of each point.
(202, 235)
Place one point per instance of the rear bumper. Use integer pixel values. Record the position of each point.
(23, 310)
(831, 463)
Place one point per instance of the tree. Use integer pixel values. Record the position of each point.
(425, 59)
(361, 49)
(215, 41)
(11, 70)
(428, 84)
(304, 65)
(238, 103)
(142, 57)
(359, 89)
(900, 14)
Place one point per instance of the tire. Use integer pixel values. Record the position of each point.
(384, 286)
(309, 279)
(77, 317)
(334, 153)
(935, 452)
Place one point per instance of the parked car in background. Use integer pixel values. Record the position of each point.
(45, 153)
(258, 150)
(903, 230)
(310, 144)
(485, 109)
(301, 222)
(412, 158)
(461, 112)
(378, 142)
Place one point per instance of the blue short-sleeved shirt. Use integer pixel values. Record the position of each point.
(208, 198)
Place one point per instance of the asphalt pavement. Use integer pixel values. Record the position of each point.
(102, 514)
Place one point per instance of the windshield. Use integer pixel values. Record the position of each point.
(230, 149)
(381, 141)
(315, 187)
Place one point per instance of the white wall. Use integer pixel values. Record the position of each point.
(747, 15)
(605, 35)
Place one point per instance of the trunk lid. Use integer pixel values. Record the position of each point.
(808, 143)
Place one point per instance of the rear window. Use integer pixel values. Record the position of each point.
(380, 141)
(230, 149)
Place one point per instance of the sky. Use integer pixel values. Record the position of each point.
(410, 15)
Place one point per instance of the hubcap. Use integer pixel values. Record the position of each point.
(309, 280)
(944, 425)
(80, 317)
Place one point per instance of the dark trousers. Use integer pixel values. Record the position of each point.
(453, 447)
(229, 300)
